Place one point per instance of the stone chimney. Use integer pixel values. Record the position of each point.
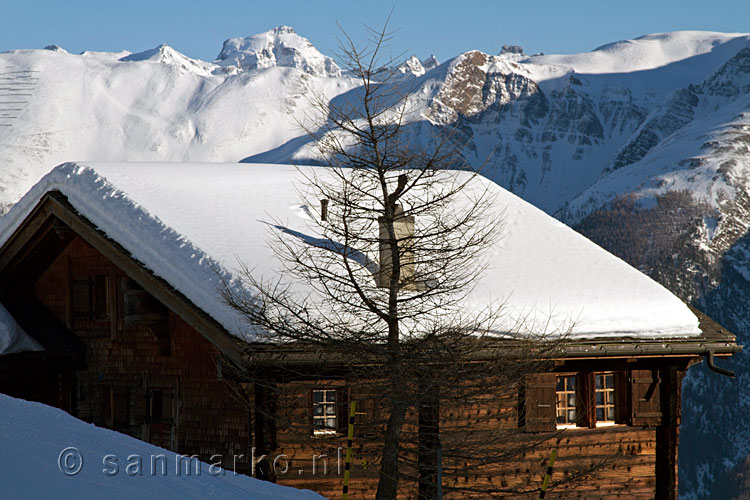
(403, 226)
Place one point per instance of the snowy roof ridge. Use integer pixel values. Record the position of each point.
(200, 220)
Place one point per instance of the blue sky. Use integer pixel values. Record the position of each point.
(444, 28)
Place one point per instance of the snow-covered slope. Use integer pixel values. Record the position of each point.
(646, 52)
(46, 453)
(156, 105)
(202, 220)
(164, 54)
(550, 126)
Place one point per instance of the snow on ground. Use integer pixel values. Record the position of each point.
(12, 337)
(185, 222)
(36, 444)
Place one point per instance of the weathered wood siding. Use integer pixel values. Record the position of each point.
(598, 463)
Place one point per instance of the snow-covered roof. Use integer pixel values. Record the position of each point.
(12, 337)
(34, 435)
(186, 221)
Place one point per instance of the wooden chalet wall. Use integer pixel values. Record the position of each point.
(163, 387)
(618, 461)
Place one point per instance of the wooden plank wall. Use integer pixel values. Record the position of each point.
(618, 461)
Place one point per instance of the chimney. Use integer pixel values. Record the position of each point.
(403, 226)
(324, 210)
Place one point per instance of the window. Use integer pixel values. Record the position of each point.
(588, 399)
(91, 297)
(604, 397)
(115, 408)
(566, 401)
(324, 417)
(159, 407)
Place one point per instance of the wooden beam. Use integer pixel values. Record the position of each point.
(667, 433)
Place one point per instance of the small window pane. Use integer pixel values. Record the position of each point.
(604, 396)
(324, 410)
(566, 400)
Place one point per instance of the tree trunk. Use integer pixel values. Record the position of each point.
(429, 439)
(388, 483)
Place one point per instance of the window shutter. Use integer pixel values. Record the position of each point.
(644, 398)
(310, 405)
(100, 285)
(365, 419)
(342, 405)
(81, 298)
(586, 407)
(621, 398)
(539, 407)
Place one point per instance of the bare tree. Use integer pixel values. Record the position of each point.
(379, 282)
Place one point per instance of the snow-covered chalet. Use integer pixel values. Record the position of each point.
(109, 285)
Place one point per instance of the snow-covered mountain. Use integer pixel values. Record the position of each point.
(643, 145)
(278, 47)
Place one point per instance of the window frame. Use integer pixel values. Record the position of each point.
(606, 404)
(586, 399)
(341, 406)
(566, 392)
(325, 430)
